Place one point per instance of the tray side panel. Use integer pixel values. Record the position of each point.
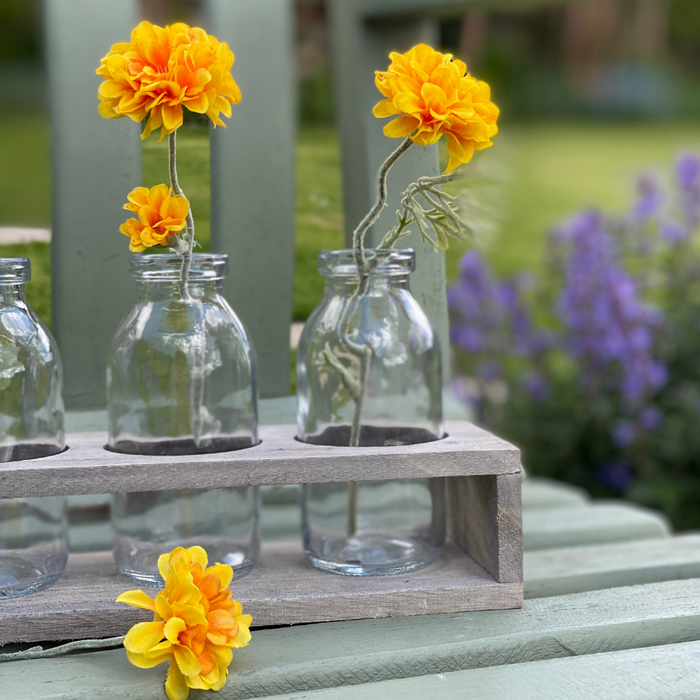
(485, 520)
(86, 467)
(283, 589)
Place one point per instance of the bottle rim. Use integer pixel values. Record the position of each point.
(341, 263)
(15, 270)
(165, 267)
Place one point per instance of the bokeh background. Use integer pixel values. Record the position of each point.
(594, 94)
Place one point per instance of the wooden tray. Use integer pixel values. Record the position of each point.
(481, 568)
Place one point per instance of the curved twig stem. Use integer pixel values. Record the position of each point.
(358, 235)
(361, 351)
(41, 653)
(189, 221)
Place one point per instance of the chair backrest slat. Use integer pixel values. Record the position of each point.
(96, 162)
(361, 47)
(252, 179)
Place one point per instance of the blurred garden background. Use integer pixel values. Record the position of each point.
(594, 94)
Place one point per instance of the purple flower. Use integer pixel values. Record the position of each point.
(491, 316)
(615, 475)
(607, 327)
(624, 433)
(489, 371)
(536, 384)
(688, 176)
(649, 197)
(650, 418)
(673, 232)
(688, 171)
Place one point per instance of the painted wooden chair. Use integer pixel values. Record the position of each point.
(605, 615)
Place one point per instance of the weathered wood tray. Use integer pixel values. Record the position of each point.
(481, 567)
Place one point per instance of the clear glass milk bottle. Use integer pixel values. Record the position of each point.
(371, 527)
(181, 380)
(33, 548)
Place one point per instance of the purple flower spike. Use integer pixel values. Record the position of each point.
(673, 232)
(688, 174)
(649, 197)
(608, 328)
(536, 385)
(688, 171)
(624, 433)
(616, 476)
(650, 418)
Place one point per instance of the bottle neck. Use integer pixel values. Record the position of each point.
(345, 285)
(12, 294)
(165, 290)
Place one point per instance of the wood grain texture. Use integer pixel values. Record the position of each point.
(280, 459)
(485, 520)
(599, 523)
(556, 572)
(313, 657)
(282, 589)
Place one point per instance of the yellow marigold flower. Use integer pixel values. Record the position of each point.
(195, 624)
(163, 70)
(160, 214)
(435, 95)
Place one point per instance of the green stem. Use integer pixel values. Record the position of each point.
(189, 221)
(361, 351)
(41, 653)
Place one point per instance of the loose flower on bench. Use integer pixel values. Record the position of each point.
(195, 624)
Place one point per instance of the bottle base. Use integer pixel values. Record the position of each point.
(20, 576)
(139, 563)
(372, 554)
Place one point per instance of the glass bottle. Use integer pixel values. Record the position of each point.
(31, 374)
(33, 531)
(181, 380)
(371, 527)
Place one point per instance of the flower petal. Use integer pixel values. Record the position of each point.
(175, 685)
(401, 127)
(147, 660)
(187, 662)
(143, 636)
(172, 629)
(137, 598)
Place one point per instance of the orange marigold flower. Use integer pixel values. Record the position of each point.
(163, 70)
(435, 95)
(195, 624)
(160, 215)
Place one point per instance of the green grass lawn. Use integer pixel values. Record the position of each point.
(542, 173)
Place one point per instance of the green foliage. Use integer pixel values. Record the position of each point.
(19, 29)
(316, 99)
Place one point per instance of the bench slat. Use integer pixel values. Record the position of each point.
(252, 179)
(96, 162)
(598, 523)
(669, 672)
(322, 656)
(538, 493)
(573, 570)
(360, 48)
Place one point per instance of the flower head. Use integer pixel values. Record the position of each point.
(195, 624)
(435, 95)
(160, 214)
(161, 70)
